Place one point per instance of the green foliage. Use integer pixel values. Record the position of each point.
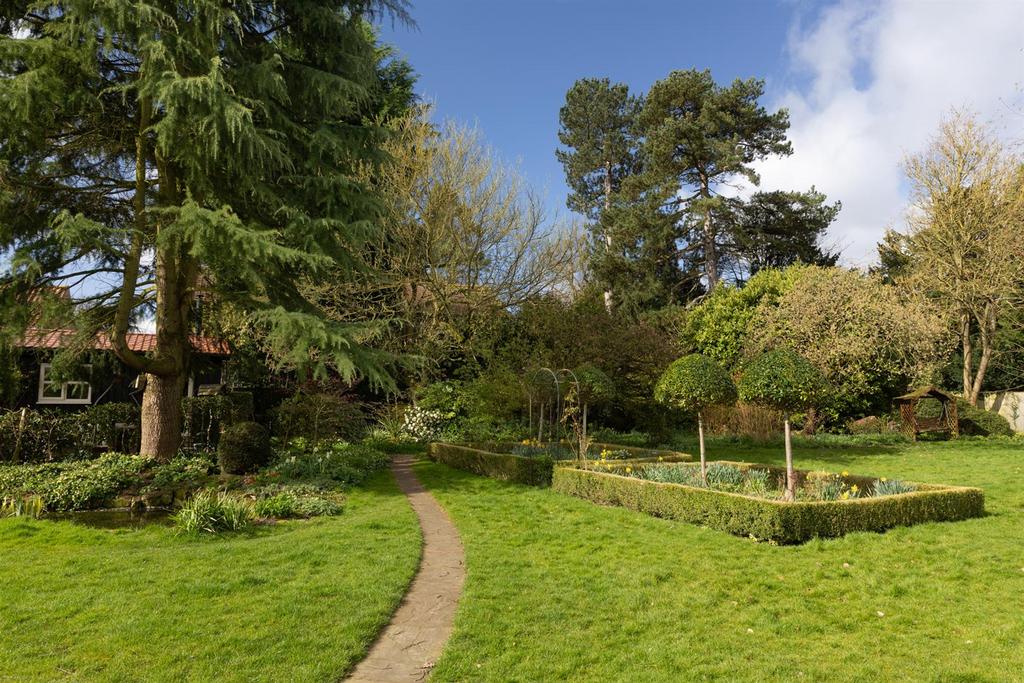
(22, 506)
(596, 125)
(770, 520)
(162, 141)
(75, 485)
(554, 451)
(636, 453)
(297, 502)
(973, 421)
(338, 462)
(784, 380)
(613, 436)
(699, 134)
(777, 229)
(596, 387)
(182, 471)
(244, 447)
(203, 417)
(212, 512)
(892, 487)
(718, 327)
(54, 434)
(693, 383)
(870, 340)
(318, 416)
(533, 471)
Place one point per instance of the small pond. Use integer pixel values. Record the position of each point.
(116, 518)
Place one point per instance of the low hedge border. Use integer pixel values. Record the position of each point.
(771, 520)
(516, 468)
(636, 454)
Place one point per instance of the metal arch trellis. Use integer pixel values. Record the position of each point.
(552, 410)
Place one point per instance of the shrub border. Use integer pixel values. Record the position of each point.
(770, 520)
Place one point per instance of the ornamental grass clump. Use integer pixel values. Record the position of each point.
(212, 512)
(784, 380)
(694, 383)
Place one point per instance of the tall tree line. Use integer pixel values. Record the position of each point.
(648, 173)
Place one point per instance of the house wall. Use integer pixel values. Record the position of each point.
(111, 380)
(1009, 404)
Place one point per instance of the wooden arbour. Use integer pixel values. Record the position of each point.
(948, 421)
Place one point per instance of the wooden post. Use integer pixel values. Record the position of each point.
(21, 430)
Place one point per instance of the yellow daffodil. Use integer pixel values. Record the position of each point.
(883, 479)
(845, 473)
(628, 468)
(855, 488)
(846, 495)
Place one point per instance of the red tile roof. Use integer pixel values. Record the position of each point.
(140, 342)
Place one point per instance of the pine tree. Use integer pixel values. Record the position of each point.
(170, 147)
(596, 125)
(699, 135)
(777, 229)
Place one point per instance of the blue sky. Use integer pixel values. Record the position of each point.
(507, 65)
(866, 81)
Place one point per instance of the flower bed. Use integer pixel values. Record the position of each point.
(766, 517)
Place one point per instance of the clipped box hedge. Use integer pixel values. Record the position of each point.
(534, 471)
(771, 520)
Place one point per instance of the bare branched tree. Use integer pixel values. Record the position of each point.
(965, 235)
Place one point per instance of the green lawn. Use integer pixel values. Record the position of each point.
(297, 602)
(561, 589)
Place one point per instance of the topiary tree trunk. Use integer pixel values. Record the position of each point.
(790, 475)
(700, 437)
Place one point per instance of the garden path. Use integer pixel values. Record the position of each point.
(409, 645)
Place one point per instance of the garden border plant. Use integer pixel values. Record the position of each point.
(764, 519)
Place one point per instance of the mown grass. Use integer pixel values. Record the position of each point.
(299, 601)
(561, 589)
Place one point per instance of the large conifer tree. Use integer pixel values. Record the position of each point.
(597, 126)
(153, 149)
(699, 135)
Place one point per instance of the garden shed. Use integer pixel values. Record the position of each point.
(913, 424)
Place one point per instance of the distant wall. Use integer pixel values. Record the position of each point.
(1009, 404)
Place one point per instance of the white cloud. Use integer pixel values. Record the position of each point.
(876, 79)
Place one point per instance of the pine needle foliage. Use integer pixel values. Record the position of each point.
(152, 150)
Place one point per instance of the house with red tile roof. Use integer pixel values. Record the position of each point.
(101, 377)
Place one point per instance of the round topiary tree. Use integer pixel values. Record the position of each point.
(784, 380)
(595, 388)
(694, 383)
(244, 447)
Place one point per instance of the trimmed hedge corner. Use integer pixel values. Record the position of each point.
(516, 468)
(771, 520)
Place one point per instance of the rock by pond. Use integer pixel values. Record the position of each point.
(116, 518)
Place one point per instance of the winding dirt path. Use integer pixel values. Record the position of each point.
(409, 645)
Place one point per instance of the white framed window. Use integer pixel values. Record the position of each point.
(52, 391)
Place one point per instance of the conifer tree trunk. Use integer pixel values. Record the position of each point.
(161, 417)
(607, 235)
(710, 248)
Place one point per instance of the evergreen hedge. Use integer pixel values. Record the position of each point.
(771, 520)
(534, 471)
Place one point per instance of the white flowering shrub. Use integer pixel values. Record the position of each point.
(422, 424)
